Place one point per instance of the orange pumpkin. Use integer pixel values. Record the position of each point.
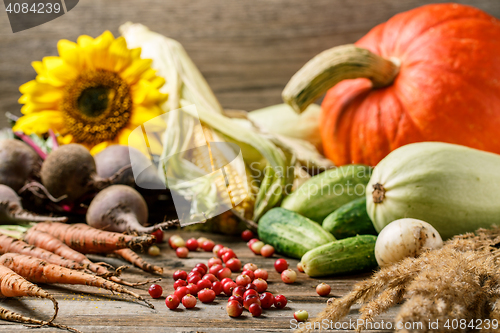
(444, 86)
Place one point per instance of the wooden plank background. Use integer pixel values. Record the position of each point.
(247, 50)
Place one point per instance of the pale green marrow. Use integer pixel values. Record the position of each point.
(454, 188)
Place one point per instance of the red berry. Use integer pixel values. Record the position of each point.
(243, 280)
(217, 287)
(181, 292)
(239, 291)
(176, 241)
(206, 295)
(236, 298)
(222, 251)
(323, 289)
(256, 247)
(250, 286)
(267, 251)
(202, 266)
(280, 301)
(224, 273)
(193, 279)
(224, 280)
(210, 277)
(201, 240)
(251, 241)
(288, 276)
(300, 268)
(255, 309)
(192, 289)
(158, 236)
(180, 283)
(250, 267)
(179, 275)
(155, 291)
(172, 302)
(199, 270)
(208, 246)
(234, 309)
(261, 274)
(182, 252)
(214, 261)
(204, 284)
(301, 315)
(234, 264)
(189, 301)
(250, 292)
(260, 284)
(228, 288)
(216, 249)
(250, 274)
(192, 244)
(247, 235)
(249, 300)
(266, 300)
(228, 255)
(215, 269)
(280, 265)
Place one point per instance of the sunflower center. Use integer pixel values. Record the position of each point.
(96, 106)
(94, 101)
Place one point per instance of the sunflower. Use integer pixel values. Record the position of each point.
(94, 93)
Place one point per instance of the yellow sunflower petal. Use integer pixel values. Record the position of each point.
(100, 147)
(66, 139)
(120, 54)
(58, 72)
(84, 41)
(30, 107)
(140, 115)
(70, 53)
(132, 74)
(40, 93)
(136, 139)
(40, 122)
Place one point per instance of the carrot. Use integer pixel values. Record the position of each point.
(85, 239)
(39, 271)
(13, 285)
(134, 258)
(12, 245)
(50, 243)
(13, 316)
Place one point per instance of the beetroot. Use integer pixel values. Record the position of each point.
(120, 208)
(12, 212)
(19, 163)
(115, 158)
(70, 170)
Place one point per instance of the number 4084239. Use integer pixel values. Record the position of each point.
(35, 8)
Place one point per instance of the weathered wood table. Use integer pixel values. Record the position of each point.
(94, 310)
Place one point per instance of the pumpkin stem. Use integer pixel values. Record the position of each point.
(378, 193)
(334, 65)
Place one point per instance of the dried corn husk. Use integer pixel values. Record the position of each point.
(186, 87)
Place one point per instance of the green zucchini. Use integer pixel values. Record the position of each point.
(290, 233)
(350, 220)
(322, 194)
(348, 255)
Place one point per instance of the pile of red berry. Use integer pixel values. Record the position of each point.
(258, 247)
(182, 247)
(249, 291)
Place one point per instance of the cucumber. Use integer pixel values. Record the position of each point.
(322, 194)
(290, 233)
(348, 255)
(350, 220)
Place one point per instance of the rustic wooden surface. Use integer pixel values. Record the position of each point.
(93, 310)
(247, 50)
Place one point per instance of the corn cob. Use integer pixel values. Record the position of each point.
(239, 196)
